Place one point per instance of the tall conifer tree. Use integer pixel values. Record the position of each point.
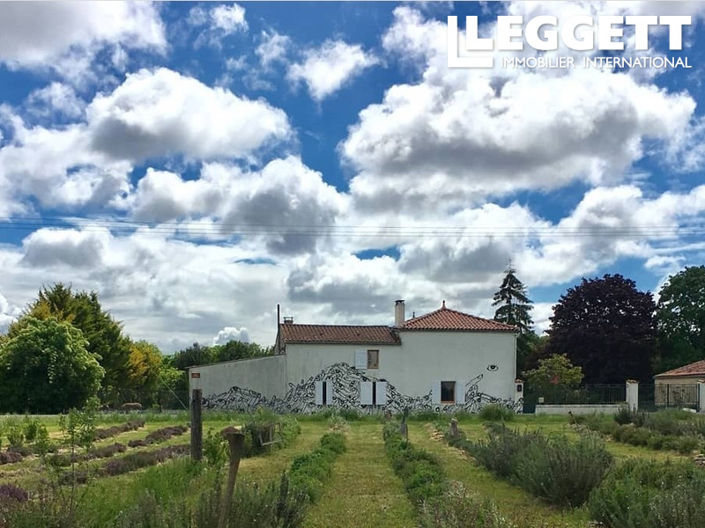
(514, 308)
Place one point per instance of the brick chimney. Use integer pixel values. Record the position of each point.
(399, 317)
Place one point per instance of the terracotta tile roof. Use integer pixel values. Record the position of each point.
(693, 369)
(338, 334)
(447, 319)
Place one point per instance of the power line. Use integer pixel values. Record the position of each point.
(225, 229)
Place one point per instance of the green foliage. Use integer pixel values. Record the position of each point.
(607, 327)
(495, 412)
(514, 308)
(215, 449)
(46, 367)
(650, 494)
(681, 318)
(82, 310)
(14, 432)
(309, 472)
(554, 376)
(458, 508)
(556, 469)
(30, 428)
(420, 471)
(144, 366)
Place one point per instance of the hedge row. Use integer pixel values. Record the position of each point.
(420, 471)
(309, 472)
(160, 435)
(643, 436)
(561, 471)
(650, 494)
(109, 432)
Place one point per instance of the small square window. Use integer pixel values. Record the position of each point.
(373, 359)
(447, 392)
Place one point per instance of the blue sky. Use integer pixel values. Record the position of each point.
(199, 163)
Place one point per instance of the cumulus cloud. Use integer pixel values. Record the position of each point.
(154, 113)
(231, 333)
(57, 247)
(459, 135)
(279, 203)
(55, 98)
(218, 22)
(39, 34)
(273, 47)
(326, 69)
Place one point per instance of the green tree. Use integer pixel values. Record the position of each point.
(105, 337)
(514, 308)
(144, 367)
(554, 376)
(680, 318)
(606, 326)
(45, 367)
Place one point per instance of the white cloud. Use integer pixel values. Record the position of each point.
(231, 333)
(282, 201)
(326, 69)
(55, 98)
(151, 114)
(229, 18)
(272, 47)
(460, 135)
(38, 34)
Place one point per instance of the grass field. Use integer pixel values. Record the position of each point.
(362, 490)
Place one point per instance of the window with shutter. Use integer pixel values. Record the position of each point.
(361, 359)
(436, 392)
(460, 392)
(381, 393)
(366, 393)
(318, 392)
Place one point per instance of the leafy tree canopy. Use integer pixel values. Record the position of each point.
(45, 367)
(681, 319)
(607, 327)
(83, 310)
(554, 374)
(144, 366)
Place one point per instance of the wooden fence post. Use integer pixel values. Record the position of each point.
(196, 425)
(236, 442)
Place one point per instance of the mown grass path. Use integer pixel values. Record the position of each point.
(511, 500)
(363, 492)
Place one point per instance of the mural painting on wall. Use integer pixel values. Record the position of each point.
(346, 379)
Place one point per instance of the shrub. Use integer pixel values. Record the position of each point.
(649, 494)
(30, 428)
(420, 471)
(142, 459)
(309, 471)
(498, 452)
(14, 433)
(623, 416)
(561, 471)
(495, 412)
(457, 508)
(12, 492)
(108, 432)
(215, 449)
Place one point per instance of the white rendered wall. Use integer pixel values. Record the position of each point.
(423, 358)
(265, 375)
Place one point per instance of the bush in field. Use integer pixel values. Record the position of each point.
(457, 508)
(215, 449)
(14, 433)
(108, 432)
(561, 471)
(650, 494)
(142, 459)
(495, 412)
(420, 471)
(309, 471)
(30, 428)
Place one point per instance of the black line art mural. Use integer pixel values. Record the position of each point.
(346, 379)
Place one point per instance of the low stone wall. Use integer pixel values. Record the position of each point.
(611, 408)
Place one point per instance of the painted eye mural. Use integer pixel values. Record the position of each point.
(492, 368)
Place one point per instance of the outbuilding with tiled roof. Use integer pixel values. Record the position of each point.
(679, 386)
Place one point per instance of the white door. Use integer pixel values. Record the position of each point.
(366, 393)
(381, 390)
